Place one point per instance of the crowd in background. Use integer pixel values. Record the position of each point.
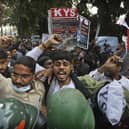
(89, 59)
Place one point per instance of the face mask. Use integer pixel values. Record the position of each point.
(21, 89)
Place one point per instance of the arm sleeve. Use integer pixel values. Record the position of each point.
(97, 75)
(124, 82)
(35, 53)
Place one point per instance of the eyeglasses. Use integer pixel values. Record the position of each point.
(22, 76)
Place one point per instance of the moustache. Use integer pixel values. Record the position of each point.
(18, 84)
(2, 70)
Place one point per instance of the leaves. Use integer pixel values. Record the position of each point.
(31, 15)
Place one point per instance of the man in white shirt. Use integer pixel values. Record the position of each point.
(62, 67)
(111, 98)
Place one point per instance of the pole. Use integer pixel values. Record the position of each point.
(128, 40)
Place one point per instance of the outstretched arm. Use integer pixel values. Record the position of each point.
(112, 66)
(52, 41)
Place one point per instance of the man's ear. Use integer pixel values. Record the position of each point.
(34, 76)
(72, 67)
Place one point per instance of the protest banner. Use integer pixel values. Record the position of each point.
(63, 21)
(70, 25)
(83, 31)
(110, 41)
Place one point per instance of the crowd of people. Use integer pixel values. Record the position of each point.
(33, 74)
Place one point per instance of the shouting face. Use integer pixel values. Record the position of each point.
(62, 70)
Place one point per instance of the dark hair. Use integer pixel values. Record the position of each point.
(3, 54)
(26, 61)
(42, 59)
(60, 55)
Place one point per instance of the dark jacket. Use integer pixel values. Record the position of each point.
(80, 86)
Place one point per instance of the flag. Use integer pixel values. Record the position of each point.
(121, 21)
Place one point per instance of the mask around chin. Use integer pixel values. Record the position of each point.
(21, 89)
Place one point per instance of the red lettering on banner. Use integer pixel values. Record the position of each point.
(64, 12)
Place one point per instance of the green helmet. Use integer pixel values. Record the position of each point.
(16, 115)
(68, 109)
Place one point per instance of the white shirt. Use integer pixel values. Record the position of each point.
(35, 53)
(99, 76)
(111, 99)
(56, 87)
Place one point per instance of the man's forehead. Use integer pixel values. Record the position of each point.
(21, 68)
(62, 60)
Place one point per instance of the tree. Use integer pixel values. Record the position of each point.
(1, 11)
(108, 12)
(30, 16)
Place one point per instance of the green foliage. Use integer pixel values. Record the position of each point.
(30, 16)
(108, 11)
(27, 15)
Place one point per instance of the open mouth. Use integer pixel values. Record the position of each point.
(61, 73)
